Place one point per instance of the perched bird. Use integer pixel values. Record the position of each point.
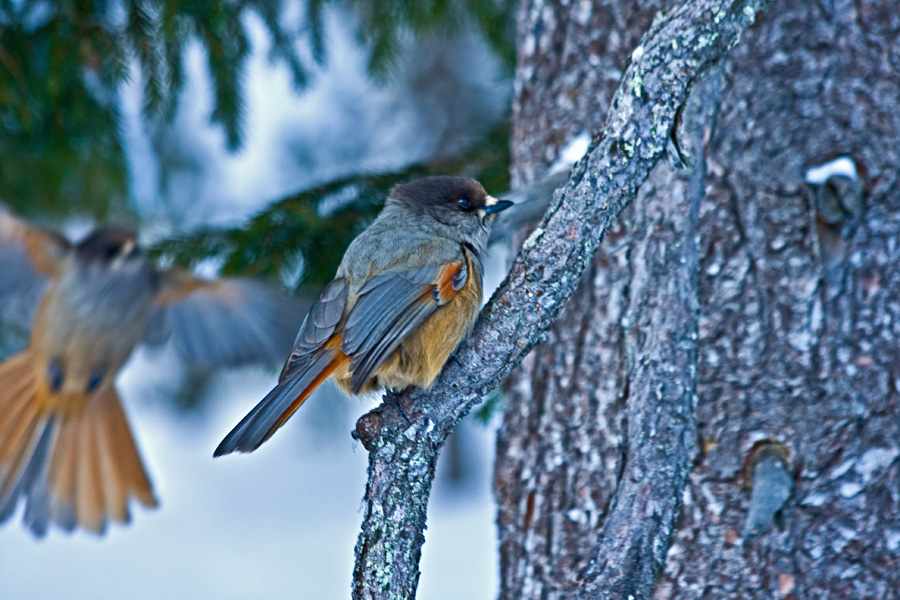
(65, 443)
(405, 295)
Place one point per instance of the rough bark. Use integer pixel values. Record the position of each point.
(799, 324)
(659, 399)
(673, 54)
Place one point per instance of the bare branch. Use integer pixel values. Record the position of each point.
(672, 56)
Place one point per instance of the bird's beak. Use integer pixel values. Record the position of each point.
(129, 250)
(492, 205)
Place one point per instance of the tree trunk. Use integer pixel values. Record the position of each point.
(794, 484)
(403, 444)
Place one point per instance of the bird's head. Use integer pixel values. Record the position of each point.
(109, 246)
(457, 207)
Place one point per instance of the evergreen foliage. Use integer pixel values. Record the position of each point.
(62, 62)
(311, 229)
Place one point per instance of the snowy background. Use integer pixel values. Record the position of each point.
(281, 522)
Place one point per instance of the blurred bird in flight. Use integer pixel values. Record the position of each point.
(65, 443)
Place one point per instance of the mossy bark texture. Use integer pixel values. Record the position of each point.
(791, 489)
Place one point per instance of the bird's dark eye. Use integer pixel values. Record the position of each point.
(110, 251)
(464, 203)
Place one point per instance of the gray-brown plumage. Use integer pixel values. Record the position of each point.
(405, 295)
(65, 444)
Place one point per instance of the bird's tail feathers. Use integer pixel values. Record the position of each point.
(279, 404)
(75, 469)
(22, 431)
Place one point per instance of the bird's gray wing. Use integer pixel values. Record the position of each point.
(317, 328)
(29, 257)
(223, 322)
(389, 307)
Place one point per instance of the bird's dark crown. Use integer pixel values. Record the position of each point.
(107, 243)
(458, 193)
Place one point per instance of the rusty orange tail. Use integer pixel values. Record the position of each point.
(279, 404)
(73, 469)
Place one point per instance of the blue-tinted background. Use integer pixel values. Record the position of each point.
(283, 521)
